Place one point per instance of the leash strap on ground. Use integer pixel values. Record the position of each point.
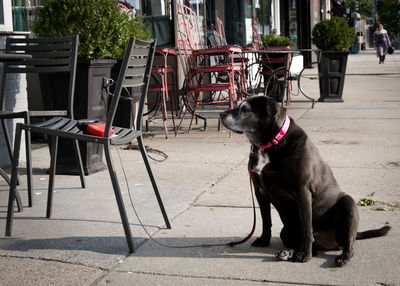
(142, 225)
(193, 245)
(233, 243)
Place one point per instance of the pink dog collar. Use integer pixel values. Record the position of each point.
(278, 136)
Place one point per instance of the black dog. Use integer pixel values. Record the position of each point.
(288, 172)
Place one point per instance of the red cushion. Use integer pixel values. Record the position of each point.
(97, 129)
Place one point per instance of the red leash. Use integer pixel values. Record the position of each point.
(233, 243)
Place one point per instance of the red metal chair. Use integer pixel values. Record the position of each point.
(162, 87)
(198, 62)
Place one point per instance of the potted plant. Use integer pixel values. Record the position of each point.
(273, 41)
(273, 61)
(334, 38)
(103, 34)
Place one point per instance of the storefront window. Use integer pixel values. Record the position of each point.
(293, 22)
(263, 15)
(159, 16)
(154, 7)
(24, 13)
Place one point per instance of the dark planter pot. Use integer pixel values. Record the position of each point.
(124, 108)
(274, 61)
(90, 102)
(332, 70)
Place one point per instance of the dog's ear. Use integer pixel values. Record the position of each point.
(271, 106)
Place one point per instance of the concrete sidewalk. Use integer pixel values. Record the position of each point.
(205, 187)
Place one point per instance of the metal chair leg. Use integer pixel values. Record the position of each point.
(52, 171)
(18, 198)
(7, 138)
(28, 162)
(80, 164)
(118, 197)
(153, 181)
(13, 185)
(8, 143)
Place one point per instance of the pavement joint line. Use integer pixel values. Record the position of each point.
(304, 114)
(224, 206)
(51, 260)
(108, 271)
(369, 74)
(222, 278)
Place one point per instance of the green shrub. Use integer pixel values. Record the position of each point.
(333, 35)
(272, 40)
(103, 30)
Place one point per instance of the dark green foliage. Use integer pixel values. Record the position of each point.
(389, 16)
(271, 40)
(333, 35)
(366, 7)
(103, 30)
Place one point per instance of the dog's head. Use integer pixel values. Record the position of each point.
(258, 117)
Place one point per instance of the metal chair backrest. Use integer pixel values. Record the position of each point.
(185, 54)
(187, 17)
(185, 43)
(135, 75)
(49, 56)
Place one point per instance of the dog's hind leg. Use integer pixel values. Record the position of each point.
(265, 209)
(347, 228)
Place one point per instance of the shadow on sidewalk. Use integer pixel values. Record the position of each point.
(186, 247)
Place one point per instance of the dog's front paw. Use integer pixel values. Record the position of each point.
(300, 257)
(261, 241)
(285, 254)
(341, 260)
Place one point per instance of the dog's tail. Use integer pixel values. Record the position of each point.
(373, 232)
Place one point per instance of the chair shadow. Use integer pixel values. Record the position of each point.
(182, 247)
(201, 247)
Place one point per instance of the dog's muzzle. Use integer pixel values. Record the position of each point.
(230, 120)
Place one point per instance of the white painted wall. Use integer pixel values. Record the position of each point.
(8, 24)
(16, 93)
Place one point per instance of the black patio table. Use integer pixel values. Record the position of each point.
(286, 54)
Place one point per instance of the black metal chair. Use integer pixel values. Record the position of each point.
(49, 56)
(134, 74)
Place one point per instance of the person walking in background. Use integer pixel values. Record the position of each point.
(382, 42)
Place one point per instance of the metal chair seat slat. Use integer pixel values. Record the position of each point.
(69, 126)
(135, 62)
(140, 52)
(37, 69)
(59, 124)
(136, 81)
(46, 62)
(122, 132)
(42, 54)
(125, 137)
(33, 48)
(135, 71)
(43, 40)
(48, 122)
